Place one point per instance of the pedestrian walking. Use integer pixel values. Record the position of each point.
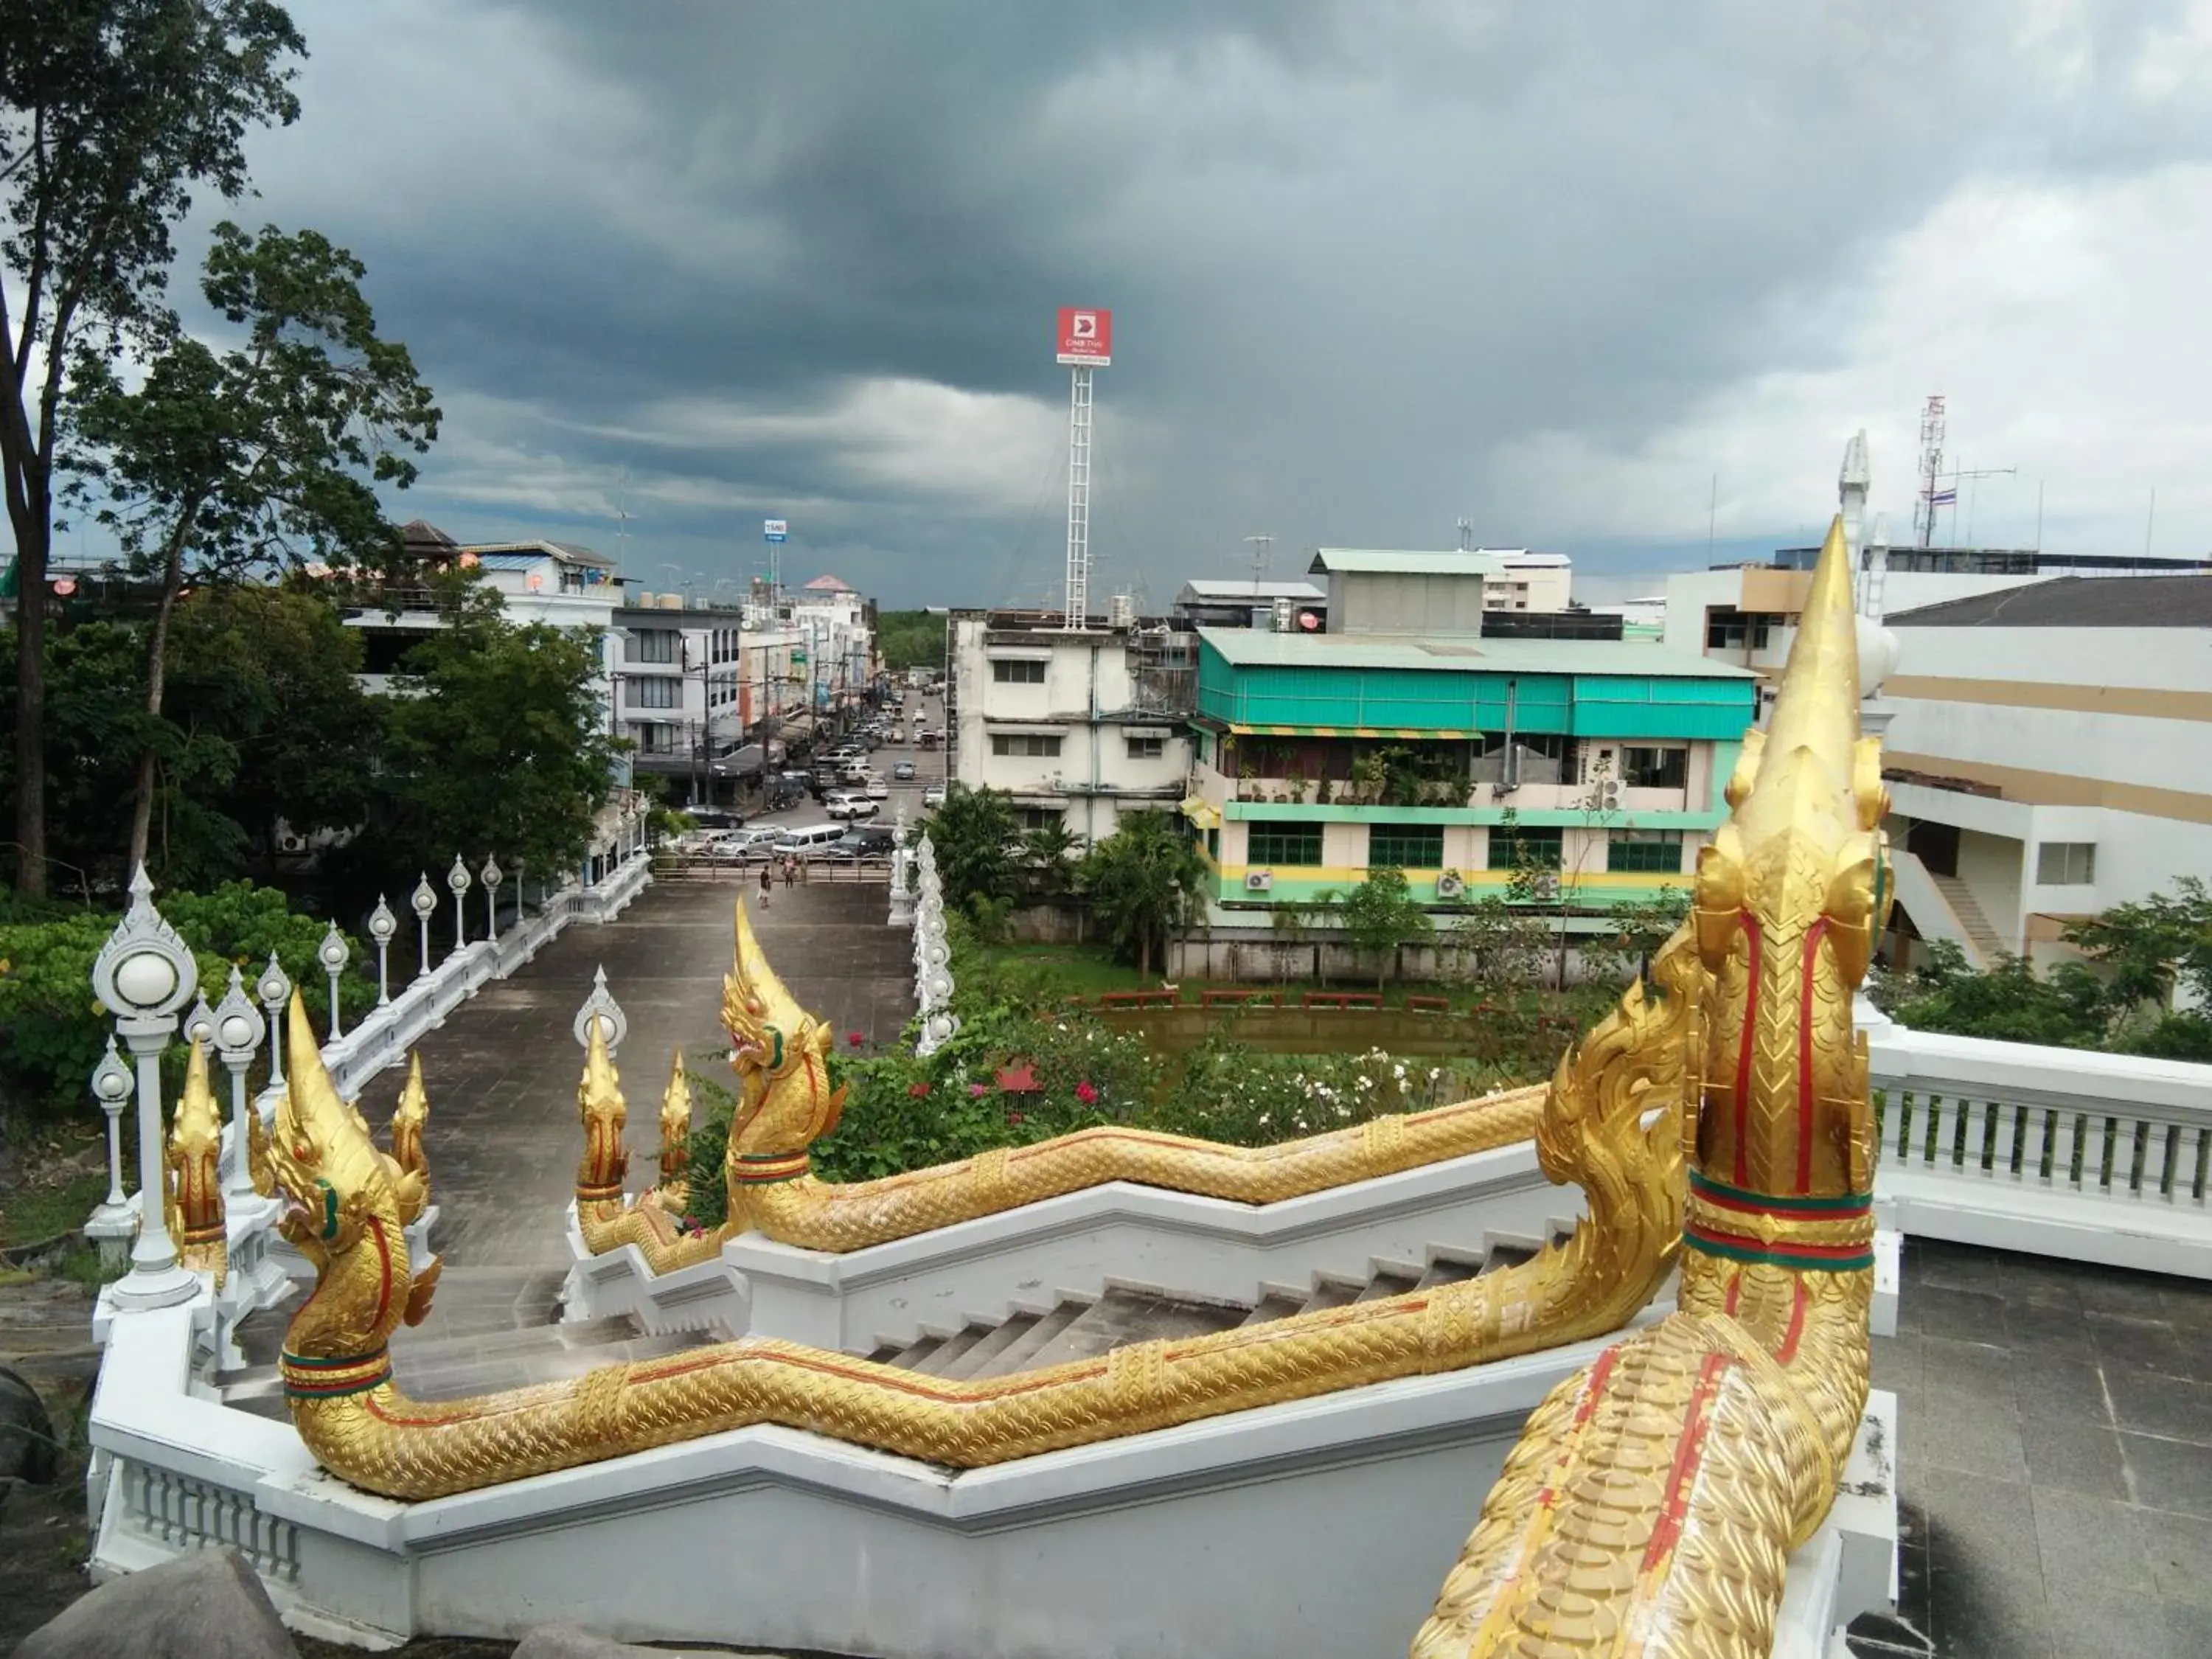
(790, 869)
(768, 886)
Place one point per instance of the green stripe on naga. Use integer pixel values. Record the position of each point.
(1837, 1204)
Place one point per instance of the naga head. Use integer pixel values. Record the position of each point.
(194, 1206)
(343, 1211)
(600, 1104)
(409, 1118)
(1787, 901)
(675, 1123)
(780, 1052)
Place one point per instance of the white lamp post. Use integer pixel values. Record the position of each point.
(239, 1029)
(114, 1219)
(199, 1025)
(600, 1006)
(334, 953)
(457, 881)
(274, 988)
(143, 975)
(424, 901)
(492, 876)
(382, 924)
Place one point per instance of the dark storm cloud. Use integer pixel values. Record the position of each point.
(802, 258)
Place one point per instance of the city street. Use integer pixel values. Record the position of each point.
(930, 768)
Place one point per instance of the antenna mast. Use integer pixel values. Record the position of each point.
(1259, 546)
(1932, 429)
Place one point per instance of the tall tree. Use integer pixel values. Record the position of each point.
(978, 840)
(112, 112)
(496, 743)
(1143, 881)
(262, 456)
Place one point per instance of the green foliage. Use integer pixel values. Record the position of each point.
(496, 740)
(1381, 914)
(2151, 947)
(52, 1029)
(910, 639)
(1499, 945)
(114, 115)
(1639, 928)
(976, 836)
(2009, 1003)
(1047, 853)
(1143, 881)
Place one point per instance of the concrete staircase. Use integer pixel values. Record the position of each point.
(1972, 922)
(1079, 1328)
(489, 1329)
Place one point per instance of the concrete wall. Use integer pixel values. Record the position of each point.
(1393, 601)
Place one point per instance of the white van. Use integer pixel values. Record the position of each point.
(808, 838)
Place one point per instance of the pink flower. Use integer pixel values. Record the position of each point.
(918, 1090)
(1086, 1092)
(854, 1038)
(1014, 1117)
(976, 1091)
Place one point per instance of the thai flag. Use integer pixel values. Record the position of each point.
(1944, 498)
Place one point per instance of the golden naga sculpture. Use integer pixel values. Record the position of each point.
(1610, 1123)
(193, 1207)
(409, 1117)
(785, 1103)
(672, 1190)
(1655, 1497)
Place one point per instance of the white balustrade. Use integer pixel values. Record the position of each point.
(2062, 1151)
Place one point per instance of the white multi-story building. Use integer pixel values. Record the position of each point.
(1528, 582)
(2049, 756)
(1080, 726)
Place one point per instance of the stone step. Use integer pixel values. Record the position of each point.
(1330, 1291)
(948, 1351)
(1020, 1354)
(1448, 1268)
(1389, 1278)
(1127, 1315)
(1276, 1301)
(545, 1357)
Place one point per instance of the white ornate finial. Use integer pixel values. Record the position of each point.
(456, 879)
(144, 970)
(238, 1024)
(111, 1078)
(425, 896)
(382, 924)
(601, 1004)
(492, 874)
(274, 987)
(199, 1025)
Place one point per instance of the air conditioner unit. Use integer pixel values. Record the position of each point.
(1258, 881)
(1608, 795)
(1283, 617)
(1451, 885)
(290, 842)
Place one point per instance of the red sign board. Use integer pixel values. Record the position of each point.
(1086, 336)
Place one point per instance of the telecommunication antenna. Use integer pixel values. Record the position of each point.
(621, 516)
(1467, 535)
(1086, 342)
(1932, 429)
(1259, 546)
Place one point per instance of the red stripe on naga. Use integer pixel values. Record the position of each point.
(1800, 1301)
(1689, 1451)
(1743, 1048)
(1805, 1056)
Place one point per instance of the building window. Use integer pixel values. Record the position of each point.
(654, 740)
(1733, 630)
(1041, 817)
(1513, 845)
(2066, 863)
(1284, 843)
(652, 645)
(1147, 748)
(1024, 743)
(1405, 845)
(1018, 673)
(1649, 852)
(1655, 769)
(652, 693)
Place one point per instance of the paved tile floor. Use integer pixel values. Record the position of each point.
(2056, 1429)
(501, 1072)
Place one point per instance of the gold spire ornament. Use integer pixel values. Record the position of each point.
(409, 1117)
(1655, 1497)
(193, 1204)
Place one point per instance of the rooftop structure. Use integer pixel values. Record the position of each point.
(1375, 591)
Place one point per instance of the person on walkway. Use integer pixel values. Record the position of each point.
(768, 886)
(790, 869)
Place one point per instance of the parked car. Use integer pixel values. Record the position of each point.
(859, 843)
(932, 798)
(878, 788)
(849, 806)
(903, 771)
(746, 846)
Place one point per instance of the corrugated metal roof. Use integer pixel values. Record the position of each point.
(2075, 602)
(511, 561)
(1388, 562)
(1251, 647)
(1207, 588)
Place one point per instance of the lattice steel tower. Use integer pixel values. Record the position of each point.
(1931, 468)
(1078, 608)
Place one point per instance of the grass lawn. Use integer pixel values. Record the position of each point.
(37, 1210)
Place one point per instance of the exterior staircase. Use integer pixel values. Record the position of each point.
(1081, 1328)
(1972, 922)
(489, 1329)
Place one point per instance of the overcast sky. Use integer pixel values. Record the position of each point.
(1373, 267)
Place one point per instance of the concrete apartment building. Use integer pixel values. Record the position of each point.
(1600, 761)
(2049, 756)
(1078, 726)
